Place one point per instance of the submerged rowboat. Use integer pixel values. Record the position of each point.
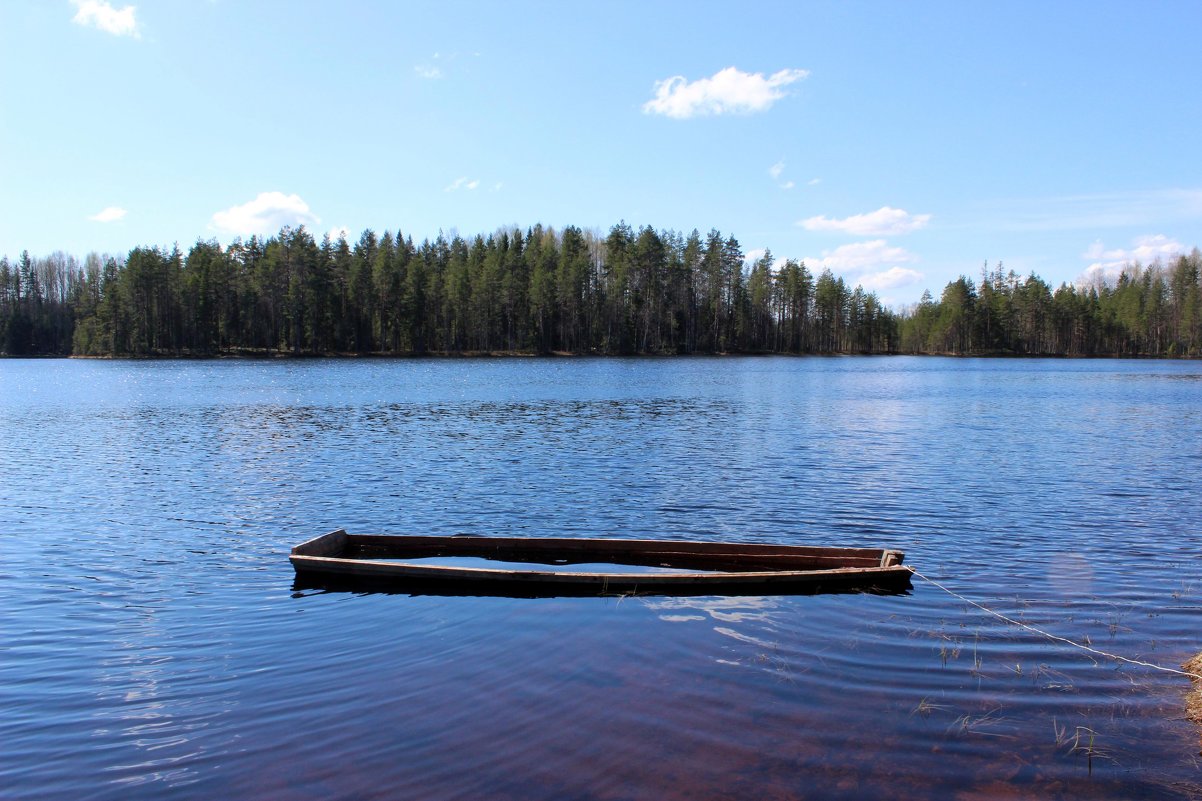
(565, 566)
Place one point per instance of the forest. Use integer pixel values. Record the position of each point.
(545, 291)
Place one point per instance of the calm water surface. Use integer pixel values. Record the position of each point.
(152, 644)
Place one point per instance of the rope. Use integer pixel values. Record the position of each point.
(1051, 636)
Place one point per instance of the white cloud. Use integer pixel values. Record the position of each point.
(338, 232)
(1098, 275)
(885, 221)
(266, 214)
(755, 254)
(892, 278)
(872, 265)
(428, 72)
(813, 182)
(497, 186)
(111, 214)
(462, 183)
(1146, 249)
(859, 257)
(1109, 264)
(788, 185)
(729, 91)
(101, 15)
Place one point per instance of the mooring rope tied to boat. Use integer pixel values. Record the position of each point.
(1049, 635)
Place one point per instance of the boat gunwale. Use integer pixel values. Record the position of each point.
(322, 555)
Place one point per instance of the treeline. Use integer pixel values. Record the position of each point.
(1147, 311)
(542, 291)
(539, 291)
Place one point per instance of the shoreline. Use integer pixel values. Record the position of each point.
(248, 355)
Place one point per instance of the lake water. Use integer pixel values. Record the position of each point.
(152, 643)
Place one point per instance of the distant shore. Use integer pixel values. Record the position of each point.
(245, 355)
(547, 291)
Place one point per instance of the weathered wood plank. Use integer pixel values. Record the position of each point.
(568, 544)
(718, 565)
(330, 544)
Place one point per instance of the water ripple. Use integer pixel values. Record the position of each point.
(154, 644)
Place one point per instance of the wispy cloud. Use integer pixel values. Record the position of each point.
(776, 170)
(885, 221)
(338, 232)
(101, 15)
(1102, 210)
(111, 214)
(266, 214)
(860, 257)
(813, 182)
(463, 183)
(728, 91)
(440, 64)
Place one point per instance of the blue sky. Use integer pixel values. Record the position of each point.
(900, 144)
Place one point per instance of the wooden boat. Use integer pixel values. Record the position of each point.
(563, 566)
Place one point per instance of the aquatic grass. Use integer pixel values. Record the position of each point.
(925, 708)
(949, 646)
(947, 652)
(775, 664)
(1114, 623)
(977, 659)
(1061, 732)
(1047, 671)
(1088, 746)
(1083, 740)
(979, 724)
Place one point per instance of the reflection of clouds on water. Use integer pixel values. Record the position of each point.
(727, 610)
(134, 707)
(156, 703)
(753, 630)
(747, 638)
(746, 618)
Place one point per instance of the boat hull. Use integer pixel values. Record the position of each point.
(341, 560)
